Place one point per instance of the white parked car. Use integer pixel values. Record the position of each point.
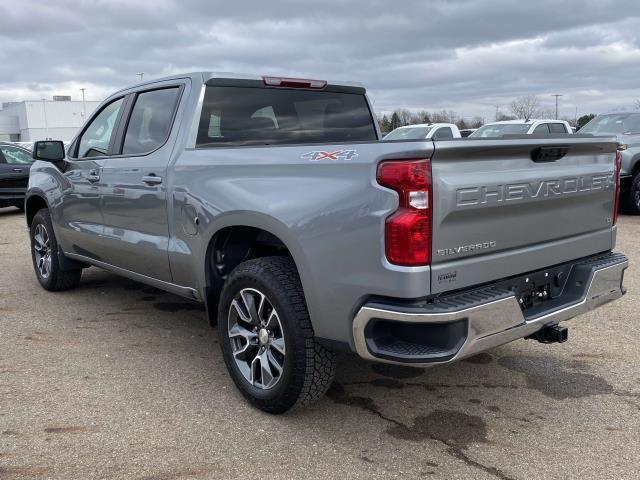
(437, 131)
(522, 127)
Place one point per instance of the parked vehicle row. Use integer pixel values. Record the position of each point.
(15, 163)
(274, 203)
(423, 131)
(522, 127)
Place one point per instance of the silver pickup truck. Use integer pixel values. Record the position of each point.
(274, 202)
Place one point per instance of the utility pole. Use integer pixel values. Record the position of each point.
(557, 95)
(497, 111)
(141, 75)
(46, 125)
(84, 106)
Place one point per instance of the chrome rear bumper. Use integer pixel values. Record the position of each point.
(490, 318)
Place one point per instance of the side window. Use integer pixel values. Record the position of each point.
(150, 121)
(542, 128)
(16, 156)
(557, 128)
(443, 132)
(96, 138)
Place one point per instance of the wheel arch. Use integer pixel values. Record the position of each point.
(241, 237)
(635, 165)
(34, 202)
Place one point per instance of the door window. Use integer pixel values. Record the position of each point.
(443, 132)
(16, 155)
(150, 121)
(97, 136)
(542, 128)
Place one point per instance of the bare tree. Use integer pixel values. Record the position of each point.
(637, 103)
(546, 113)
(444, 116)
(423, 116)
(405, 116)
(477, 122)
(525, 107)
(500, 117)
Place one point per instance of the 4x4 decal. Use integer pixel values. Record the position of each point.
(320, 155)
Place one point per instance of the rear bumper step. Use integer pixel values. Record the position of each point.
(463, 324)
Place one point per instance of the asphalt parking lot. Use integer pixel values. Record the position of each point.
(120, 380)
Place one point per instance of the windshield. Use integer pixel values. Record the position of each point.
(408, 133)
(613, 124)
(500, 129)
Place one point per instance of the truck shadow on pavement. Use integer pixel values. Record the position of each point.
(10, 212)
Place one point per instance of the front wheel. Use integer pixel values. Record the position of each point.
(267, 339)
(44, 253)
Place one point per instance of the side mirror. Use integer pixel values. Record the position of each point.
(48, 151)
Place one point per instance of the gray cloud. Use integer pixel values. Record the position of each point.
(465, 55)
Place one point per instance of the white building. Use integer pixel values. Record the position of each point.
(32, 120)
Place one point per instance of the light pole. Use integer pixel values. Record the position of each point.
(84, 106)
(141, 75)
(557, 95)
(44, 113)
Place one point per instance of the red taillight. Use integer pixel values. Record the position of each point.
(284, 82)
(408, 229)
(616, 203)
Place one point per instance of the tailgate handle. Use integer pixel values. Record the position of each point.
(548, 154)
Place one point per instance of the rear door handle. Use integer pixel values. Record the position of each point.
(16, 170)
(93, 177)
(152, 179)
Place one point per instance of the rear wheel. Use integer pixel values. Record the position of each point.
(44, 253)
(266, 337)
(631, 200)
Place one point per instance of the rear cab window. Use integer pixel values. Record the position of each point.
(557, 128)
(443, 133)
(542, 128)
(239, 115)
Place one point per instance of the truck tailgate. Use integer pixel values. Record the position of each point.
(506, 207)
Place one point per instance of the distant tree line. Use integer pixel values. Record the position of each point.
(525, 107)
(402, 117)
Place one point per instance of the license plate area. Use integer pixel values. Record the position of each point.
(539, 287)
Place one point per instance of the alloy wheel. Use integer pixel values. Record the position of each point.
(42, 250)
(257, 338)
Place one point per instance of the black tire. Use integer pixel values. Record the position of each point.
(308, 367)
(57, 279)
(630, 202)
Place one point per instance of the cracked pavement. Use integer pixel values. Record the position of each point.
(120, 380)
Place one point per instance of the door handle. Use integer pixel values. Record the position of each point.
(93, 177)
(152, 179)
(16, 170)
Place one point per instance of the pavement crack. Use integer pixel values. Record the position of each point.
(460, 455)
(338, 394)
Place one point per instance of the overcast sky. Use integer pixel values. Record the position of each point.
(463, 55)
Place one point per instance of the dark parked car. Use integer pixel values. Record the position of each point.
(15, 163)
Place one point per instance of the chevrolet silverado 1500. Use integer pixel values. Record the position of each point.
(274, 203)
